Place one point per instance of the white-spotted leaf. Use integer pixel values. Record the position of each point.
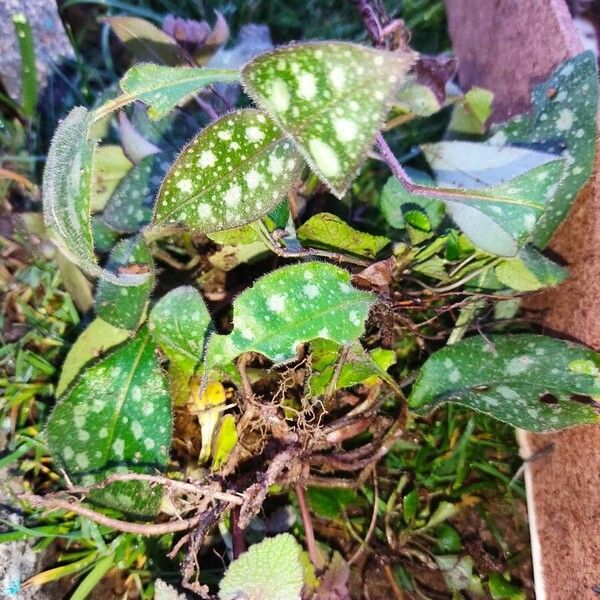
(130, 206)
(289, 306)
(94, 341)
(501, 218)
(529, 381)
(116, 417)
(235, 171)
(179, 324)
(563, 120)
(270, 570)
(162, 88)
(330, 98)
(124, 306)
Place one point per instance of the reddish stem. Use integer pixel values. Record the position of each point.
(238, 542)
(311, 545)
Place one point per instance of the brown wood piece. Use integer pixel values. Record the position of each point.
(507, 46)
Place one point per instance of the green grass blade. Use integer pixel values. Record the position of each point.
(29, 89)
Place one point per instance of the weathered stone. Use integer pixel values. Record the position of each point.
(51, 42)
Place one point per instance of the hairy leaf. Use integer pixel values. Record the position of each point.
(563, 120)
(66, 189)
(528, 381)
(115, 418)
(235, 171)
(179, 323)
(289, 306)
(123, 306)
(269, 570)
(501, 218)
(330, 98)
(67, 193)
(163, 591)
(162, 88)
(94, 341)
(329, 232)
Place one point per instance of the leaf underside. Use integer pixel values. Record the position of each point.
(235, 171)
(526, 380)
(116, 417)
(330, 98)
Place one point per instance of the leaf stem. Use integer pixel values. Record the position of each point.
(311, 545)
(112, 105)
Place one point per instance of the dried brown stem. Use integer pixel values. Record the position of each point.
(148, 529)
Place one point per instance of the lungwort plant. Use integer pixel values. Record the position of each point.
(312, 373)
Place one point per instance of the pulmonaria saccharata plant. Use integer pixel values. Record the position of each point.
(319, 109)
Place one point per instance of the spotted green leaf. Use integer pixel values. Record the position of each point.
(289, 306)
(130, 205)
(66, 191)
(563, 119)
(162, 88)
(329, 232)
(67, 187)
(330, 98)
(124, 306)
(529, 381)
(271, 569)
(500, 219)
(180, 323)
(235, 171)
(116, 417)
(94, 341)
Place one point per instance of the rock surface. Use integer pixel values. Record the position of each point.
(51, 42)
